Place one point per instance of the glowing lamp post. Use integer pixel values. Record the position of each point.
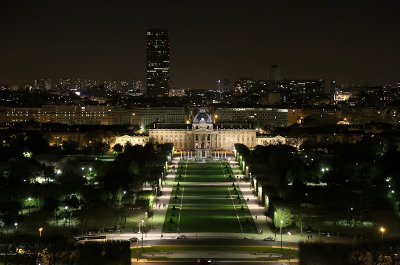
(40, 231)
(142, 233)
(382, 230)
(280, 231)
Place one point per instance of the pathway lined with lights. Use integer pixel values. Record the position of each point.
(162, 203)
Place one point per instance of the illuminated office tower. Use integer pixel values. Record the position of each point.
(157, 63)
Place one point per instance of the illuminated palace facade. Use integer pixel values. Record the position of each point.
(203, 138)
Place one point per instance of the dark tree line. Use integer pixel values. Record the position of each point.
(52, 250)
(382, 252)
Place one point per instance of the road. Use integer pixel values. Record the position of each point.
(230, 262)
(201, 240)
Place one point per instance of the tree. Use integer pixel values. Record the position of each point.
(71, 177)
(243, 150)
(118, 148)
(283, 218)
(70, 146)
(36, 142)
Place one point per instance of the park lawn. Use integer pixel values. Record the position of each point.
(206, 201)
(287, 253)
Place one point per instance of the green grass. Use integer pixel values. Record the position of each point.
(202, 207)
(287, 253)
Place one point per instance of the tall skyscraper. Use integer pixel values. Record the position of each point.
(157, 63)
(274, 73)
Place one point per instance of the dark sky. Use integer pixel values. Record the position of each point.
(351, 41)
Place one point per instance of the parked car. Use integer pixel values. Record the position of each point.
(270, 238)
(133, 239)
(204, 261)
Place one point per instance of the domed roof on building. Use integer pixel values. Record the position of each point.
(202, 117)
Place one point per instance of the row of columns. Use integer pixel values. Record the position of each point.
(220, 154)
(189, 154)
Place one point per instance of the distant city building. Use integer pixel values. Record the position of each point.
(301, 87)
(43, 84)
(177, 92)
(64, 84)
(157, 62)
(341, 96)
(329, 86)
(146, 116)
(260, 117)
(137, 85)
(271, 99)
(224, 85)
(243, 85)
(274, 73)
(68, 114)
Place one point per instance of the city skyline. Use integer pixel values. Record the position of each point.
(348, 42)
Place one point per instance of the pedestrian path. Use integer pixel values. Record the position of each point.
(160, 205)
(253, 203)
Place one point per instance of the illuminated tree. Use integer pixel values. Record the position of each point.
(283, 218)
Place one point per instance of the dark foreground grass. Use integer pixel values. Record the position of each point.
(286, 252)
(206, 201)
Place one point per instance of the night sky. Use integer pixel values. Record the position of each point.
(350, 41)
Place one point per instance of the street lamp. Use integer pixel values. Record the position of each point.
(289, 234)
(382, 230)
(142, 234)
(40, 231)
(280, 231)
(16, 226)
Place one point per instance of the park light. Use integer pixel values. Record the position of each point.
(16, 225)
(289, 234)
(58, 172)
(124, 192)
(382, 230)
(142, 232)
(40, 231)
(83, 168)
(280, 231)
(90, 169)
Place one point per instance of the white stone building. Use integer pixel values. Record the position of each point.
(202, 138)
